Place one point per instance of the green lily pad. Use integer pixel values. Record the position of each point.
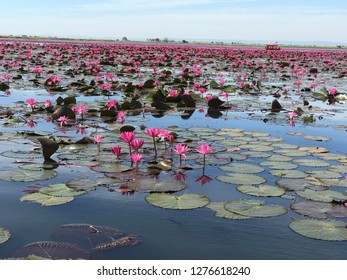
(324, 174)
(256, 147)
(82, 184)
(241, 179)
(317, 138)
(292, 152)
(153, 185)
(4, 235)
(46, 200)
(261, 190)
(338, 168)
(110, 168)
(320, 229)
(293, 174)
(284, 165)
(30, 176)
(21, 154)
(314, 149)
(221, 212)
(255, 208)
(334, 182)
(242, 168)
(319, 210)
(311, 162)
(279, 158)
(61, 190)
(183, 202)
(332, 156)
(284, 146)
(323, 196)
(253, 154)
(293, 184)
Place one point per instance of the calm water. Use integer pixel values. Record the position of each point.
(170, 234)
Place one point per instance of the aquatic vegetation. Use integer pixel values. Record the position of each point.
(159, 119)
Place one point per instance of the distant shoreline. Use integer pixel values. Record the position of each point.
(163, 42)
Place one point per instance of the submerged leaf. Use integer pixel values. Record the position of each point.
(120, 242)
(54, 250)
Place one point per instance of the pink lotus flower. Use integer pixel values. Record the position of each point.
(292, 115)
(140, 85)
(98, 138)
(117, 151)
(63, 120)
(181, 151)
(332, 91)
(111, 103)
(31, 102)
(173, 92)
(121, 116)
(137, 144)
(106, 86)
(136, 158)
(47, 103)
(204, 149)
(127, 136)
(153, 132)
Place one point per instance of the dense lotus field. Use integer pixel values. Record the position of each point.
(145, 151)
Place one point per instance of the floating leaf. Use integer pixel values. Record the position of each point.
(30, 176)
(314, 150)
(221, 212)
(323, 196)
(292, 152)
(294, 174)
(46, 200)
(317, 138)
(82, 184)
(338, 168)
(279, 158)
(4, 235)
(241, 179)
(334, 182)
(21, 154)
(324, 174)
(294, 184)
(153, 185)
(60, 190)
(255, 208)
(110, 168)
(311, 162)
(278, 165)
(54, 250)
(242, 168)
(331, 156)
(319, 210)
(256, 154)
(261, 190)
(320, 229)
(182, 202)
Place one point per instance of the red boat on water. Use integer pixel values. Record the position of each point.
(272, 47)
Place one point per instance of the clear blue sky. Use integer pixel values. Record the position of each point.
(269, 20)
